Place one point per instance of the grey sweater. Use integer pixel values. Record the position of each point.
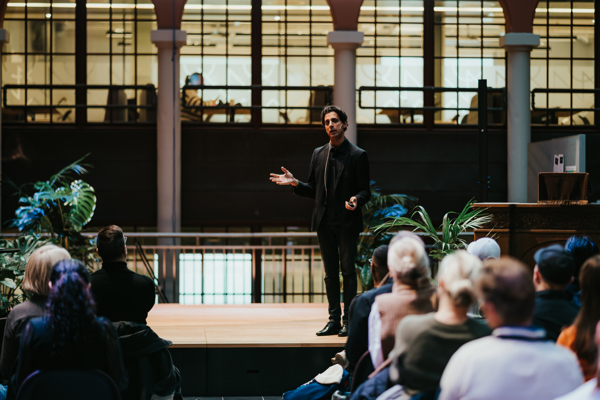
(424, 346)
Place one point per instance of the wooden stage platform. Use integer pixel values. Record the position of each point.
(252, 325)
(255, 349)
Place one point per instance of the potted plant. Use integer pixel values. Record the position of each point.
(449, 239)
(375, 212)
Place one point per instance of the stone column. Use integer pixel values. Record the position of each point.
(345, 39)
(518, 101)
(344, 44)
(4, 38)
(168, 38)
(168, 129)
(518, 42)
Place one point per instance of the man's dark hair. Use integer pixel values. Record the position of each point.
(380, 260)
(581, 248)
(110, 243)
(506, 283)
(331, 108)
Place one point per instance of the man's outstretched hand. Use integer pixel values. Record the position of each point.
(284, 179)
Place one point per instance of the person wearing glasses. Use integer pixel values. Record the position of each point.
(120, 294)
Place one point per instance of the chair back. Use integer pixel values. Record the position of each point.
(362, 370)
(68, 385)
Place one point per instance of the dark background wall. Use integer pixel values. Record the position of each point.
(225, 170)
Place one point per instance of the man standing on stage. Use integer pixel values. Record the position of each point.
(338, 180)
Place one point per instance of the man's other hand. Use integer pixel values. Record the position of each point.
(284, 179)
(351, 205)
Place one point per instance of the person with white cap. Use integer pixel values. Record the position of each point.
(484, 248)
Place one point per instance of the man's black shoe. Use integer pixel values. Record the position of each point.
(331, 328)
(344, 331)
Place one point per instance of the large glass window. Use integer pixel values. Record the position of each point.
(565, 61)
(217, 53)
(466, 49)
(41, 51)
(391, 57)
(295, 53)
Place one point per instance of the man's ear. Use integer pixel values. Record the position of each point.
(536, 274)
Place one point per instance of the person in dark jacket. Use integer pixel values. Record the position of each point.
(338, 180)
(35, 283)
(148, 362)
(120, 294)
(70, 335)
(553, 271)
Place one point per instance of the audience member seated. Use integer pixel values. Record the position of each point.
(425, 343)
(590, 389)
(552, 273)
(35, 283)
(152, 375)
(579, 336)
(358, 332)
(120, 294)
(380, 274)
(581, 248)
(516, 362)
(69, 335)
(412, 293)
(484, 248)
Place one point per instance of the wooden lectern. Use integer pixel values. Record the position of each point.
(522, 228)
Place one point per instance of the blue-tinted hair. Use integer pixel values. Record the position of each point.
(581, 248)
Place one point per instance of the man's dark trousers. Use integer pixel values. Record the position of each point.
(331, 238)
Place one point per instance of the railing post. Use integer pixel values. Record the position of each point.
(257, 255)
(482, 125)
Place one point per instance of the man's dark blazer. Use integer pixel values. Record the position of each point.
(352, 180)
(358, 332)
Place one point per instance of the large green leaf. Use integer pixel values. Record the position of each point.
(83, 204)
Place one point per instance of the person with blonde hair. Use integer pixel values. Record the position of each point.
(412, 293)
(425, 343)
(35, 283)
(516, 361)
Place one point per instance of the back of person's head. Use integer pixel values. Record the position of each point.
(379, 263)
(39, 266)
(110, 243)
(71, 310)
(589, 315)
(408, 262)
(581, 248)
(506, 284)
(484, 248)
(455, 276)
(404, 234)
(555, 265)
(331, 108)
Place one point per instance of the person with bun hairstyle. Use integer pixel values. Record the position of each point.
(425, 343)
(579, 337)
(35, 283)
(412, 293)
(69, 335)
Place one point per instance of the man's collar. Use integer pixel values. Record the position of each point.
(552, 294)
(114, 264)
(532, 333)
(341, 148)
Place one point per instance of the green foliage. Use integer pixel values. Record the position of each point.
(59, 207)
(377, 210)
(449, 240)
(13, 268)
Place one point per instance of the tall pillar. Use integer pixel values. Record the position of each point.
(344, 44)
(518, 42)
(345, 39)
(168, 129)
(168, 38)
(518, 47)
